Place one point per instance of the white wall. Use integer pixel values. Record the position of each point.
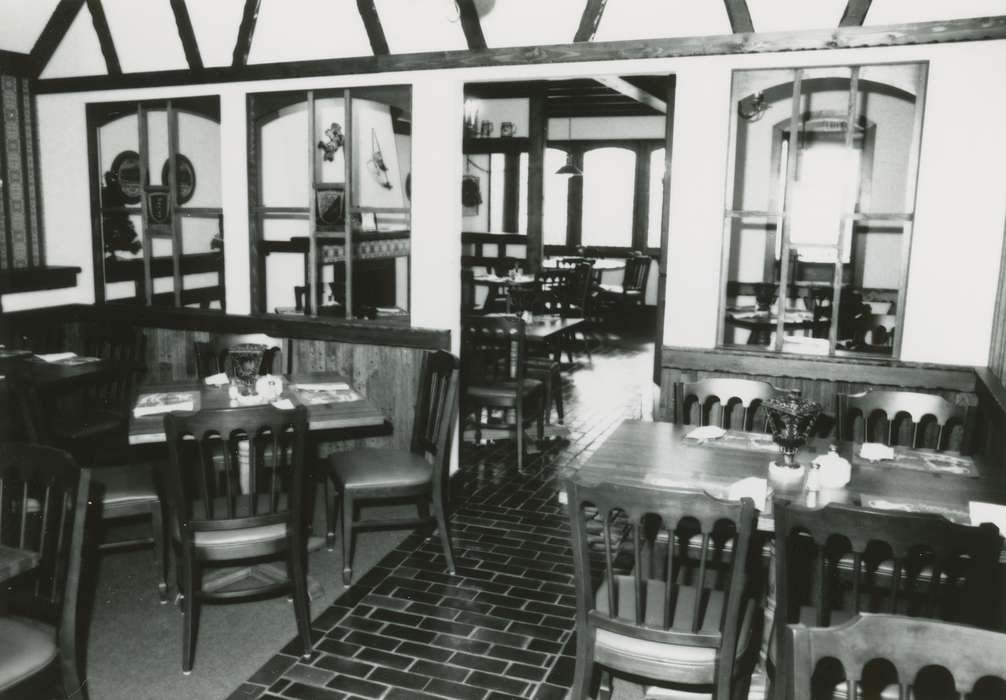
(960, 212)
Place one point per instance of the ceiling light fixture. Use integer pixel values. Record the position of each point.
(569, 168)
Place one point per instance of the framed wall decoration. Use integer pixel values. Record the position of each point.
(331, 204)
(125, 173)
(186, 175)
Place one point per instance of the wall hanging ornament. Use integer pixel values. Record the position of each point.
(471, 195)
(334, 142)
(377, 166)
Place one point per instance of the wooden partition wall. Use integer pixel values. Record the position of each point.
(822, 379)
(381, 362)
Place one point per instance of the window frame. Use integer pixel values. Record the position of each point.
(777, 212)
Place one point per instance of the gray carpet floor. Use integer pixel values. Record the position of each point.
(135, 644)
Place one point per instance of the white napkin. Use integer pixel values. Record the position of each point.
(283, 404)
(752, 487)
(706, 432)
(218, 379)
(324, 386)
(56, 356)
(982, 512)
(876, 451)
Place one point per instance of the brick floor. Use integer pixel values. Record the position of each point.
(502, 626)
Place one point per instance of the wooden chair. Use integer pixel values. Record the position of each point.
(913, 650)
(632, 291)
(43, 503)
(227, 508)
(421, 473)
(212, 355)
(689, 619)
(121, 489)
(839, 560)
(728, 393)
(927, 414)
(540, 363)
(578, 302)
(493, 376)
(92, 420)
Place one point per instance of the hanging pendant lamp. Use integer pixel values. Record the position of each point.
(569, 168)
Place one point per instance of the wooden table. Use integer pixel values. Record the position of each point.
(356, 413)
(550, 329)
(494, 282)
(16, 561)
(763, 323)
(659, 455)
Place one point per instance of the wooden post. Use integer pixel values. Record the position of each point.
(538, 135)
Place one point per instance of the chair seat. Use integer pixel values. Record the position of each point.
(683, 663)
(502, 393)
(371, 468)
(126, 486)
(26, 647)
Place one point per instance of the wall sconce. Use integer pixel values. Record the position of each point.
(753, 107)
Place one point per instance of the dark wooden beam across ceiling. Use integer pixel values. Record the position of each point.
(245, 33)
(739, 16)
(372, 23)
(104, 37)
(855, 13)
(19, 64)
(948, 31)
(590, 20)
(54, 31)
(471, 25)
(637, 94)
(186, 34)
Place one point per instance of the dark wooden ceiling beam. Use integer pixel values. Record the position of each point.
(590, 20)
(855, 13)
(948, 31)
(104, 37)
(623, 86)
(372, 23)
(19, 64)
(245, 33)
(55, 29)
(471, 25)
(186, 34)
(739, 16)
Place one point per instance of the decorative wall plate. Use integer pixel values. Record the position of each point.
(186, 175)
(126, 171)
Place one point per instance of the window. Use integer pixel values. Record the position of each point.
(332, 231)
(556, 211)
(156, 184)
(820, 206)
(608, 196)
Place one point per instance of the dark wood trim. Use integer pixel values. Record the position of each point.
(104, 37)
(245, 34)
(665, 215)
(574, 202)
(589, 20)
(997, 343)
(93, 116)
(338, 330)
(908, 34)
(992, 414)
(55, 29)
(640, 199)
(477, 238)
(516, 144)
(855, 13)
(33, 279)
(537, 135)
(21, 65)
(861, 371)
(511, 192)
(256, 234)
(163, 266)
(186, 34)
(372, 23)
(739, 16)
(471, 25)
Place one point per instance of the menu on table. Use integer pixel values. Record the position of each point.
(164, 402)
(318, 393)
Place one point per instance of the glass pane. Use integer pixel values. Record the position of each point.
(198, 166)
(608, 189)
(497, 180)
(476, 201)
(656, 198)
(556, 198)
(157, 146)
(284, 166)
(119, 165)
